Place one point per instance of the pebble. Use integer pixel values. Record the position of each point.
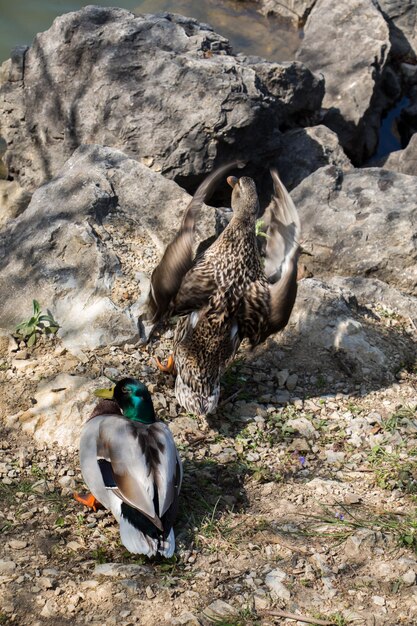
(409, 577)
(273, 581)
(7, 567)
(17, 544)
(219, 610)
(291, 382)
(333, 457)
(282, 378)
(116, 569)
(378, 600)
(149, 592)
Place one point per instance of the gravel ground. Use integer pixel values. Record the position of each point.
(299, 495)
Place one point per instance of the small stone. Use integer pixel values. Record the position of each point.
(261, 601)
(273, 581)
(282, 397)
(17, 544)
(352, 498)
(66, 481)
(119, 570)
(22, 366)
(291, 382)
(74, 546)
(186, 619)
(219, 610)
(409, 577)
(149, 593)
(50, 609)
(378, 600)
(333, 457)
(282, 377)
(7, 567)
(22, 355)
(89, 584)
(301, 445)
(45, 583)
(112, 373)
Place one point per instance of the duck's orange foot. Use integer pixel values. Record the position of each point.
(88, 500)
(169, 368)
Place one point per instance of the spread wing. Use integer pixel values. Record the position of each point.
(177, 260)
(268, 304)
(140, 465)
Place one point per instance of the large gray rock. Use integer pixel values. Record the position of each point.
(377, 293)
(404, 161)
(349, 43)
(403, 15)
(65, 249)
(360, 223)
(326, 324)
(304, 150)
(164, 88)
(62, 405)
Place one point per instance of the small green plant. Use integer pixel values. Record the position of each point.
(403, 414)
(336, 619)
(36, 325)
(393, 471)
(259, 228)
(100, 556)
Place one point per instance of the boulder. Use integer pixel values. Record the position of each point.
(62, 406)
(304, 150)
(164, 88)
(323, 324)
(372, 291)
(402, 15)
(349, 43)
(69, 250)
(360, 223)
(404, 161)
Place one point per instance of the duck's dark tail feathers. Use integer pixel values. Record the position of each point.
(140, 536)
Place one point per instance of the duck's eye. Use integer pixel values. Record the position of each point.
(125, 390)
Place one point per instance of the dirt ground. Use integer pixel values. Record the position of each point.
(299, 496)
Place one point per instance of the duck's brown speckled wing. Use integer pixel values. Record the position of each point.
(268, 302)
(177, 260)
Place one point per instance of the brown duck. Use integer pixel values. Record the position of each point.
(229, 292)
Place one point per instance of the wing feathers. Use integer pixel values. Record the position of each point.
(140, 464)
(268, 305)
(178, 257)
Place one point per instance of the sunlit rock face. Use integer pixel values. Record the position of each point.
(360, 223)
(164, 88)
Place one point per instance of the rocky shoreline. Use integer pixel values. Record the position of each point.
(300, 495)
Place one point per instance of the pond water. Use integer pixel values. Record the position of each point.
(247, 30)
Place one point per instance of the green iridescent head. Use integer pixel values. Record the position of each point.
(133, 398)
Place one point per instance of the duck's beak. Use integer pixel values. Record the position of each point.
(232, 180)
(104, 393)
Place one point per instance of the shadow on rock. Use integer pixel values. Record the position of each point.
(333, 344)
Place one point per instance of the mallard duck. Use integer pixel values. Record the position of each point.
(131, 466)
(227, 293)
